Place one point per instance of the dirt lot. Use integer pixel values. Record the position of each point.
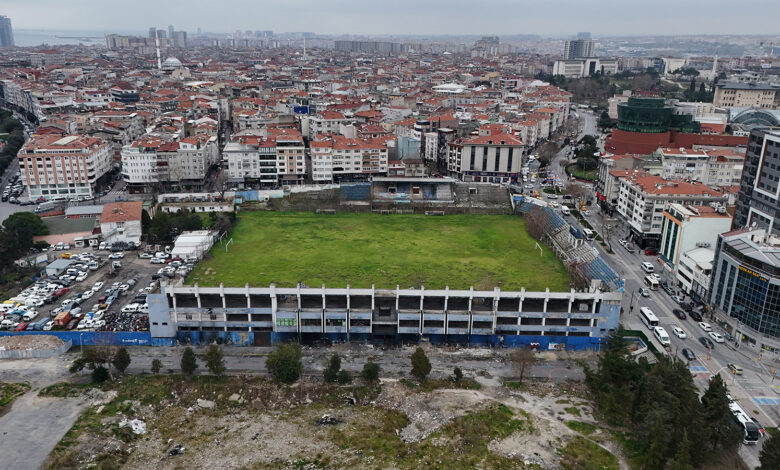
(250, 422)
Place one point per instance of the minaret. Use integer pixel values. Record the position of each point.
(304, 48)
(157, 43)
(715, 65)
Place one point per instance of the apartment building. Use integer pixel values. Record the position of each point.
(492, 158)
(642, 198)
(339, 158)
(744, 95)
(251, 160)
(688, 228)
(758, 202)
(719, 167)
(154, 160)
(326, 122)
(290, 156)
(56, 166)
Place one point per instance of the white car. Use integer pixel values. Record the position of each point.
(157, 261)
(97, 286)
(81, 277)
(88, 294)
(49, 324)
(98, 315)
(717, 337)
(130, 308)
(84, 324)
(705, 326)
(586, 212)
(98, 324)
(117, 255)
(679, 332)
(655, 276)
(124, 287)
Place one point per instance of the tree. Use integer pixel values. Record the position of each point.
(343, 377)
(214, 360)
(682, 459)
(720, 431)
(94, 357)
(284, 363)
(21, 228)
(769, 457)
(146, 222)
(604, 120)
(188, 361)
(421, 366)
(588, 139)
(702, 95)
(331, 371)
(121, 360)
(156, 366)
(370, 372)
(458, 374)
(100, 374)
(547, 152)
(522, 359)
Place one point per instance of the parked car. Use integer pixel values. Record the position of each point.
(146, 255)
(117, 255)
(679, 313)
(158, 261)
(688, 354)
(705, 326)
(695, 315)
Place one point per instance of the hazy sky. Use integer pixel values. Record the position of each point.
(545, 17)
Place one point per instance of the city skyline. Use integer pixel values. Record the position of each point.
(556, 18)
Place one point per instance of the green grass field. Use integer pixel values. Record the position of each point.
(458, 251)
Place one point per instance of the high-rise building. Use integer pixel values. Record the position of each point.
(578, 49)
(170, 31)
(179, 39)
(745, 283)
(152, 32)
(6, 32)
(758, 202)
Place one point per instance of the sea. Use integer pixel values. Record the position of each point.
(37, 37)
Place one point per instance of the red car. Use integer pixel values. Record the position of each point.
(61, 292)
(651, 251)
(21, 326)
(72, 323)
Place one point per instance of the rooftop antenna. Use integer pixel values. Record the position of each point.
(157, 43)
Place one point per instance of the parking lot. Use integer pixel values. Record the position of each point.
(100, 290)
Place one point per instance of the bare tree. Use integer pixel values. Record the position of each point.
(608, 228)
(576, 191)
(534, 222)
(547, 152)
(522, 359)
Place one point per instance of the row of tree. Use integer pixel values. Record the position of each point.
(13, 141)
(675, 427)
(165, 226)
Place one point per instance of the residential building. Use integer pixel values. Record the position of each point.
(744, 95)
(251, 161)
(579, 48)
(56, 166)
(326, 122)
(121, 222)
(491, 158)
(578, 68)
(154, 160)
(717, 167)
(339, 158)
(745, 287)
(290, 156)
(758, 202)
(642, 198)
(6, 32)
(686, 228)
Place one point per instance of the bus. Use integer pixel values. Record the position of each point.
(587, 233)
(750, 432)
(648, 318)
(651, 282)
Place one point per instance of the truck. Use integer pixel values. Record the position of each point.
(62, 319)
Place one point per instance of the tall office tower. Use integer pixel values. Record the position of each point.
(200, 31)
(179, 39)
(152, 32)
(578, 48)
(6, 32)
(170, 31)
(758, 202)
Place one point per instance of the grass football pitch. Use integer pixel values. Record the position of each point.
(458, 251)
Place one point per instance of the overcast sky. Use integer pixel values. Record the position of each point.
(544, 17)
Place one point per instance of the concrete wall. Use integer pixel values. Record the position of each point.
(31, 353)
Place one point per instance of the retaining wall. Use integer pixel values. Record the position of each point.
(94, 338)
(31, 353)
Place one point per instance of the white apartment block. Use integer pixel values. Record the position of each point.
(719, 167)
(686, 228)
(53, 166)
(251, 159)
(153, 160)
(341, 157)
(326, 122)
(642, 199)
(492, 158)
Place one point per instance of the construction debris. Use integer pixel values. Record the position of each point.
(178, 449)
(206, 403)
(29, 342)
(328, 420)
(138, 426)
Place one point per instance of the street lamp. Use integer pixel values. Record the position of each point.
(81, 343)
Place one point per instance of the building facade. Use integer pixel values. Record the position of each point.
(744, 95)
(153, 160)
(6, 32)
(745, 286)
(491, 158)
(686, 228)
(710, 167)
(758, 202)
(53, 166)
